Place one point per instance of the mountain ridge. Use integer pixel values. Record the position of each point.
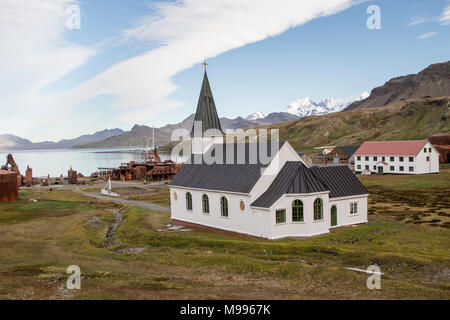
(141, 135)
(13, 142)
(410, 119)
(305, 107)
(433, 81)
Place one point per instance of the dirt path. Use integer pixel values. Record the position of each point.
(141, 204)
(113, 229)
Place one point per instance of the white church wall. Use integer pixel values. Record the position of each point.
(248, 221)
(309, 226)
(286, 153)
(344, 216)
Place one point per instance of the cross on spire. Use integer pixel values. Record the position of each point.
(204, 64)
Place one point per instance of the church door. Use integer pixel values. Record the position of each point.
(333, 216)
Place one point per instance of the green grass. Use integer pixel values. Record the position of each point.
(213, 264)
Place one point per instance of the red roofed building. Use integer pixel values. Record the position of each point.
(398, 157)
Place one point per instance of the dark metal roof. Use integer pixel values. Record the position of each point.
(348, 150)
(300, 154)
(239, 153)
(294, 177)
(238, 177)
(206, 111)
(340, 180)
(222, 177)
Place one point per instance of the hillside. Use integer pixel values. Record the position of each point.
(408, 119)
(12, 142)
(434, 81)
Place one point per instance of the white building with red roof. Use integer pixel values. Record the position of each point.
(397, 157)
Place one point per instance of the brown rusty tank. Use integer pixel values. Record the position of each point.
(9, 190)
(72, 176)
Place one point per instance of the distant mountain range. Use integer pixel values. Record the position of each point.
(141, 136)
(306, 107)
(11, 142)
(410, 119)
(434, 81)
(256, 116)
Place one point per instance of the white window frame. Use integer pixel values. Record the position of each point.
(353, 208)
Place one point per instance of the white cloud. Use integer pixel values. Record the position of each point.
(445, 16)
(188, 31)
(33, 55)
(419, 20)
(428, 35)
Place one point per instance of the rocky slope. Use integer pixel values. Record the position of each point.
(433, 81)
(403, 120)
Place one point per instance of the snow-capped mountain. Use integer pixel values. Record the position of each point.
(306, 107)
(256, 116)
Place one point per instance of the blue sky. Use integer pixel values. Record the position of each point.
(115, 70)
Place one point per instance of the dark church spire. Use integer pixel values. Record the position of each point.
(206, 112)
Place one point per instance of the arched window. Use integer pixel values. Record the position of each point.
(297, 211)
(224, 207)
(188, 201)
(205, 203)
(318, 209)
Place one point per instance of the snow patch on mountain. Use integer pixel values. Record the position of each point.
(306, 107)
(256, 116)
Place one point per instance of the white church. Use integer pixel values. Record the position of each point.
(263, 190)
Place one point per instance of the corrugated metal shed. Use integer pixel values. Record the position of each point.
(9, 190)
(348, 150)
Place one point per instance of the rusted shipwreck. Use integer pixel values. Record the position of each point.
(150, 168)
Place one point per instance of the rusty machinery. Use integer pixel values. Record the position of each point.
(151, 168)
(11, 165)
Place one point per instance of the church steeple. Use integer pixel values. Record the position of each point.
(207, 112)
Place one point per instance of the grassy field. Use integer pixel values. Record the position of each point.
(147, 261)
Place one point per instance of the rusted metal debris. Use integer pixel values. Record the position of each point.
(72, 176)
(12, 166)
(151, 168)
(9, 189)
